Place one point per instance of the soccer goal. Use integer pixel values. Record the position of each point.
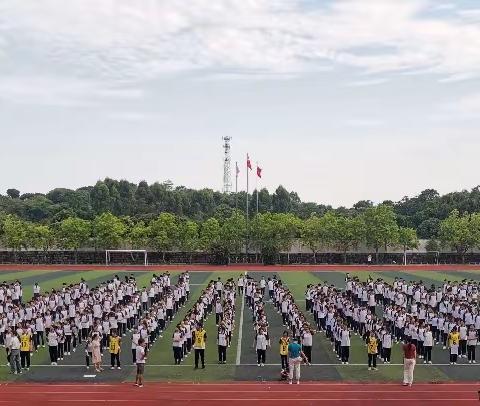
(134, 255)
(431, 256)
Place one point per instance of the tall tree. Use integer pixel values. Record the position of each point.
(108, 231)
(15, 232)
(381, 227)
(407, 239)
(188, 237)
(210, 235)
(164, 233)
(455, 232)
(73, 233)
(138, 236)
(232, 234)
(349, 233)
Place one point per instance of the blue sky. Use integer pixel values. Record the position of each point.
(337, 100)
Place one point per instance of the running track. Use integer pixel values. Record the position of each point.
(244, 267)
(232, 394)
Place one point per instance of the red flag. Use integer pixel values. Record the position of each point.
(259, 171)
(249, 164)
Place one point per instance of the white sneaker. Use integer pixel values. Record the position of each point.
(298, 382)
(119, 368)
(346, 363)
(474, 361)
(112, 367)
(470, 362)
(289, 382)
(429, 362)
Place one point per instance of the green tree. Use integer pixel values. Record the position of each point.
(164, 233)
(13, 193)
(407, 238)
(73, 233)
(108, 231)
(188, 237)
(310, 235)
(381, 227)
(349, 233)
(455, 232)
(138, 235)
(233, 234)
(41, 237)
(210, 235)
(15, 232)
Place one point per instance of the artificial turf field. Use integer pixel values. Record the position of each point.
(241, 356)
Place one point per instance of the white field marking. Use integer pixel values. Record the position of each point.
(240, 330)
(89, 376)
(283, 400)
(306, 366)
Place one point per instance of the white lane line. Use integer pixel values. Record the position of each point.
(240, 331)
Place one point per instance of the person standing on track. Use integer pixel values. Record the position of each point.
(409, 360)
(295, 358)
(140, 360)
(114, 348)
(284, 342)
(372, 350)
(200, 339)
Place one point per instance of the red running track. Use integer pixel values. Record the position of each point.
(241, 268)
(265, 394)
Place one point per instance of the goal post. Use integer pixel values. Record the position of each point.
(429, 254)
(108, 255)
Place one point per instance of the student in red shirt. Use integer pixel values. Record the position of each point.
(409, 360)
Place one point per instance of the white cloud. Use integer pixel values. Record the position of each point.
(60, 91)
(463, 108)
(364, 122)
(125, 40)
(367, 82)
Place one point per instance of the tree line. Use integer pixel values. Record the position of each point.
(229, 233)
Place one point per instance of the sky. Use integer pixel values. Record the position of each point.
(338, 100)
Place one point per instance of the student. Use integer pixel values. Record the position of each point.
(200, 339)
(372, 350)
(427, 346)
(140, 361)
(261, 344)
(307, 342)
(284, 342)
(88, 352)
(135, 338)
(177, 345)
(96, 353)
(52, 342)
(25, 349)
(222, 345)
(114, 349)
(453, 344)
(15, 365)
(472, 340)
(345, 345)
(409, 360)
(295, 357)
(463, 332)
(386, 346)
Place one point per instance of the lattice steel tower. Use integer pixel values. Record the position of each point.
(227, 176)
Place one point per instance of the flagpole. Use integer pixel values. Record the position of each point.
(248, 226)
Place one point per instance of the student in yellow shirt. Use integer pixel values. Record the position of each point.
(114, 348)
(372, 350)
(25, 349)
(200, 338)
(284, 341)
(453, 342)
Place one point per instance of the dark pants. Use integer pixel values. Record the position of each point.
(345, 352)
(471, 352)
(284, 362)
(199, 353)
(222, 353)
(53, 350)
(261, 354)
(177, 355)
(307, 350)
(25, 359)
(387, 352)
(115, 358)
(134, 356)
(453, 357)
(372, 360)
(463, 347)
(427, 353)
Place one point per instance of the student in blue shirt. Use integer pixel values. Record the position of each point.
(295, 358)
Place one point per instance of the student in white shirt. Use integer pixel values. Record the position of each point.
(427, 346)
(261, 344)
(472, 341)
(345, 345)
(140, 360)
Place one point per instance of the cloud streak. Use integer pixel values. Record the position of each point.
(120, 40)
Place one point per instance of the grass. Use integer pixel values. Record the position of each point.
(160, 363)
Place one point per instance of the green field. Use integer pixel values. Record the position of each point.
(160, 361)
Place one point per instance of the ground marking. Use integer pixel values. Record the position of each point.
(240, 330)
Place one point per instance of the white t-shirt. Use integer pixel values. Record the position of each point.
(140, 354)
